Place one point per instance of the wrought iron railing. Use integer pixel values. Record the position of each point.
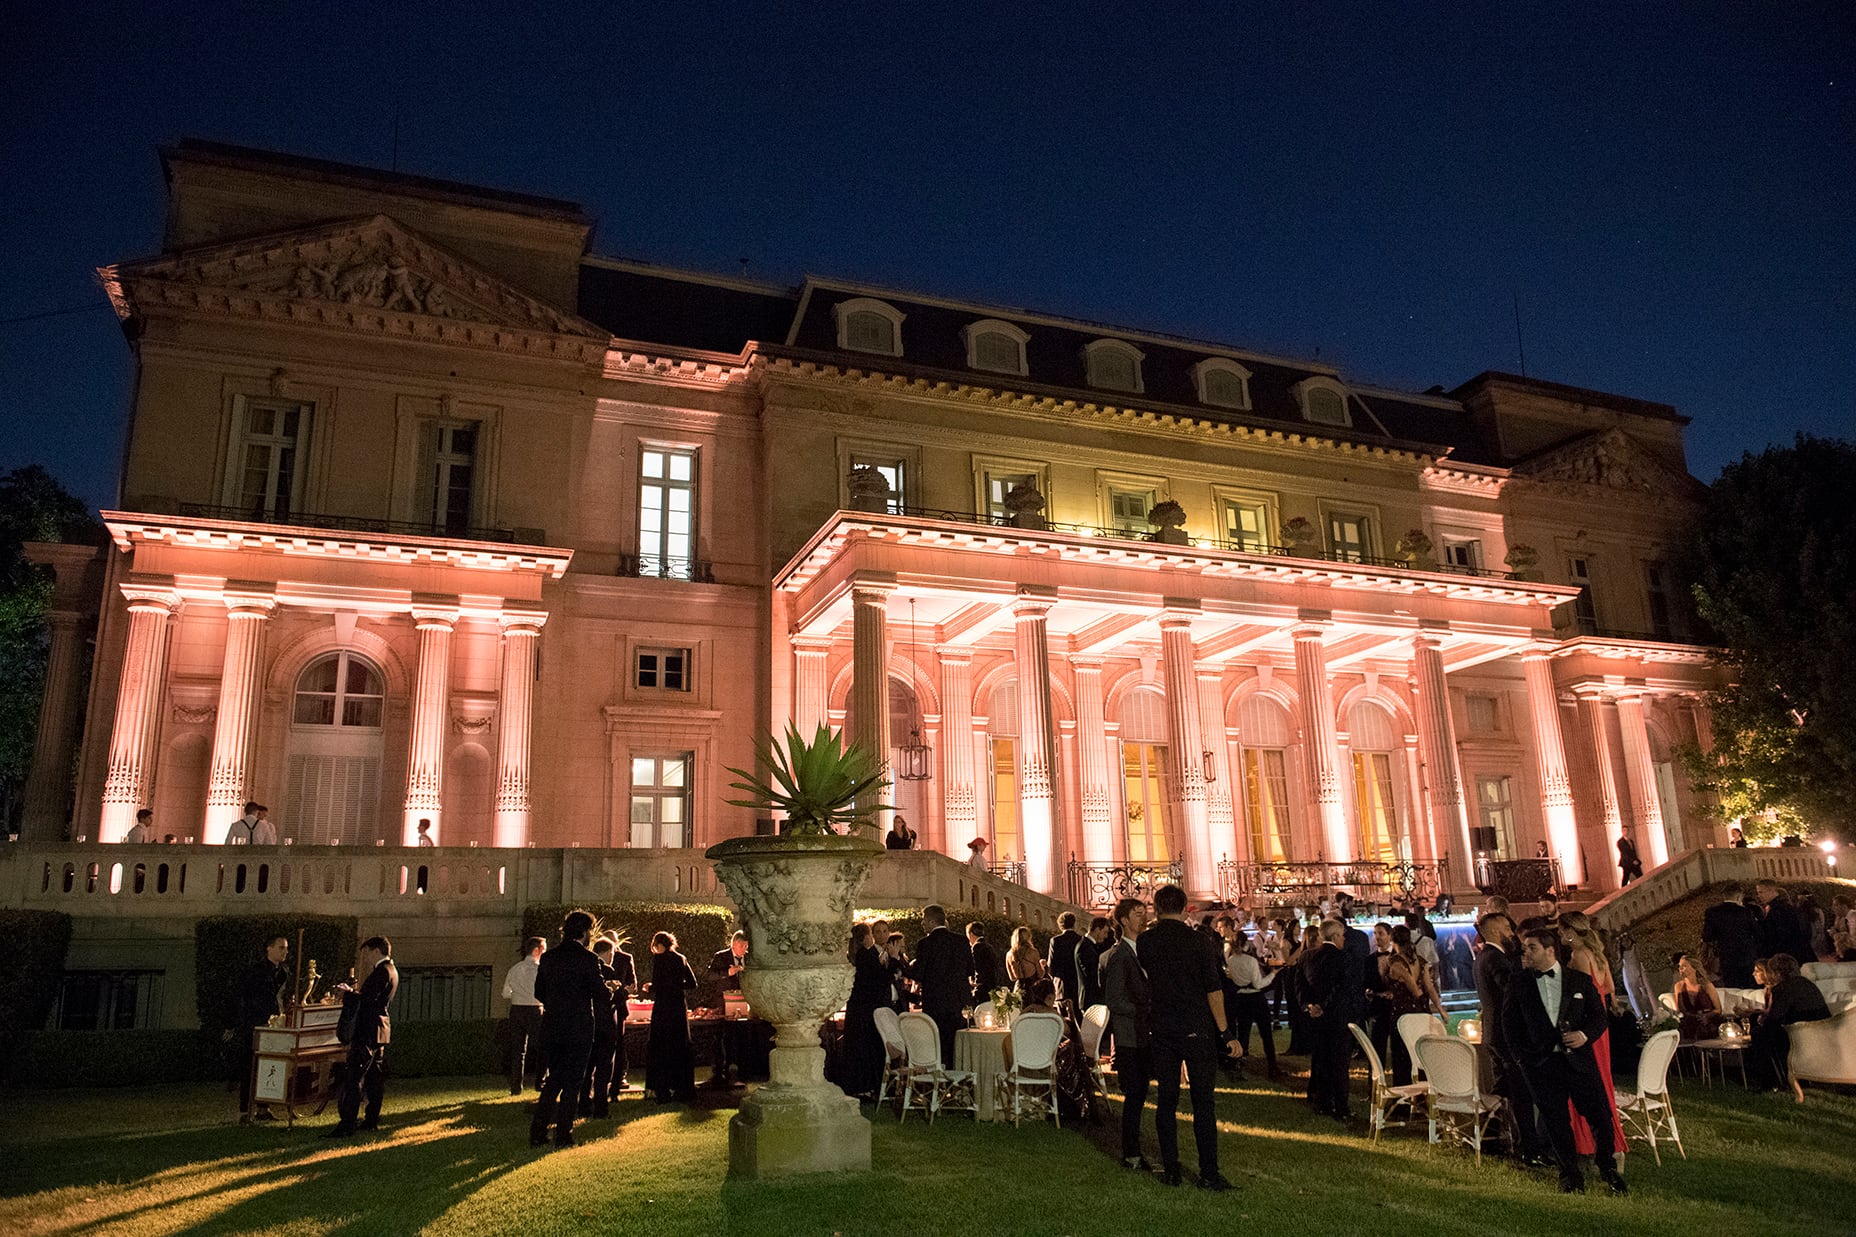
(661, 567)
(1104, 884)
(1404, 882)
(359, 524)
(1518, 880)
(1012, 870)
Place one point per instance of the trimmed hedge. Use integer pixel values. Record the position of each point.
(700, 931)
(224, 945)
(132, 1058)
(444, 1049)
(32, 951)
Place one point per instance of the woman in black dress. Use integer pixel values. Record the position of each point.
(669, 1065)
(863, 1043)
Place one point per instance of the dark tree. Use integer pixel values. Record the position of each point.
(1774, 583)
(33, 507)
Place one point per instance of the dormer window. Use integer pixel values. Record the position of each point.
(867, 325)
(1114, 365)
(1222, 383)
(996, 346)
(1324, 402)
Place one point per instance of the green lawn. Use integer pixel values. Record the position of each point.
(455, 1159)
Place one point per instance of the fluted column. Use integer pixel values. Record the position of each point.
(809, 684)
(1646, 805)
(1320, 742)
(1185, 743)
(140, 690)
(431, 694)
(1439, 735)
(1543, 704)
(48, 784)
(960, 813)
(515, 719)
(1092, 762)
(1037, 787)
(235, 724)
(1592, 708)
(870, 678)
(1220, 815)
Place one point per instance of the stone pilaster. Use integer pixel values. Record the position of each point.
(141, 687)
(515, 719)
(959, 796)
(1037, 792)
(48, 784)
(1439, 743)
(1321, 742)
(1550, 765)
(1092, 757)
(1646, 805)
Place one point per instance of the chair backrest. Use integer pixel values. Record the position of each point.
(1095, 1026)
(1653, 1062)
(1668, 1000)
(1411, 1026)
(922, 1039)
(1034, 1040)
(1365, 1042)
(1450, 1064)
(890, 1028)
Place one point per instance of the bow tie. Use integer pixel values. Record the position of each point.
(1540, 975)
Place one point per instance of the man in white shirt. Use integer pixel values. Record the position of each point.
(524, 1017)
(254, 828)
(143, 830)
(425, 833)
(1250, 998)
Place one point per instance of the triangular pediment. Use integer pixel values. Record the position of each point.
(368, 274)
(1608, 460)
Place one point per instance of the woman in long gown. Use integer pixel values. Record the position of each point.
(1698, 1004)
(1024, 965)
(669, 1064)
(863, 1043)
(1586, 952)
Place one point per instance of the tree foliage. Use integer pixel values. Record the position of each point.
(1773, 570)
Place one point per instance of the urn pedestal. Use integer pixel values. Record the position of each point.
(796, 895)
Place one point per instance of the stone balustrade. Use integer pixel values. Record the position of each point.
(1693, 870)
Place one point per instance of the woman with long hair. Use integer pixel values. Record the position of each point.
(1698, 1005)
(863, 1043)
(1411, 988)
(669, 1063)
(1585, 951)
(1024, 965)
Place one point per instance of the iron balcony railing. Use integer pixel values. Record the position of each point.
(1278, 882)
(1104, 884)
(360, 524)
(661, 567)
(1011, 870)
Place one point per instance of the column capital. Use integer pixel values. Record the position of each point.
(1209, 674)
(811, 644)
(954, 654)
(148, 593)
(872, 587)
(1084, 662)
(249, 598)
(434, 611)
(1304, 631)
(1031, 607)
(516, 622)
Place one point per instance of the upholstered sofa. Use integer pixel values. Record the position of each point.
(1826, 1051)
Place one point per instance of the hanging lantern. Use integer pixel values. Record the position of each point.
(912, 758)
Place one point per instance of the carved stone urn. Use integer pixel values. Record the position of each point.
(796, 894)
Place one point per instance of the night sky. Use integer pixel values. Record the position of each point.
(1669, 192)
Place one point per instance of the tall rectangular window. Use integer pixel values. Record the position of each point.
(1004, 785)
(999, 484)
(894, 471)
(1349, 537)
(1372, 797)
(1127, 510)
(1266, 788)
(1656, 589)
(1247, 526)
(270, 459)
(667, 513)
(1149, 831)
(660, 799)
(1584, 606)
(1495, 804)
(454, 461)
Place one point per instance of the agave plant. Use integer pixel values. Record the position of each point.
(816, 783)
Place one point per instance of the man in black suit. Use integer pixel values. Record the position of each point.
(1130, 1021)
(1551, 1016)
(727, 964)
(1060, 959)
(1497, 969)
(1325, 1002)
(260, 998)
(1782, 928)
(1358, 948)
(608, 1034)
(364, 1011)
(1728, 929)
(570, 990)
(943, 967)
(986, 974)
(1187, 987)
(1088, 957)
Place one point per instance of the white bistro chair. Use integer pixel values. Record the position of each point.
(1410, 1028)
(1647, 1110)
(1095, 1027)
(1386, 1096)
(922, 1078)
(1457, 1103)
(895, 1051)
(1034, 1066)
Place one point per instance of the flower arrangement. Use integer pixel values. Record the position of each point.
(1005, 1005)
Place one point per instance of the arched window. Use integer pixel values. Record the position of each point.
(1222, 382)
(1266, 735)
(1324, 401)
(339, 690)
(869, 325)
(1114, 365)
(996, 346)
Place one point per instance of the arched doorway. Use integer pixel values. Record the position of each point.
(1376, 747)
(332, 762)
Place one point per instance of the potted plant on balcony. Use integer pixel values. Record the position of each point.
(1169, 520)
(1024, 507)
(795, 891)
(1414, 550)
(1299, 535)
(1523, 562)
(869, 489)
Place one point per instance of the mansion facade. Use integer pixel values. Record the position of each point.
(428, 513)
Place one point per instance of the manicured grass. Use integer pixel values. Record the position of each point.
(454, 1159)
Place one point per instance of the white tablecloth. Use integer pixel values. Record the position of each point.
(986, 1055)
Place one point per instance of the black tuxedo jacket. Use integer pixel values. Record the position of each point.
(1324, 981)
(986, 972)
(944, 968)
(569, 987)
(368, 1006)
(1733, 931)
(1533, 1038)
(1497, 973)
(1060, 962)
(1126, 993)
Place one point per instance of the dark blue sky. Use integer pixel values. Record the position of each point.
(1669, 190)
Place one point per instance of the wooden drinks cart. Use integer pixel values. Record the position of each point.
(293, 1063)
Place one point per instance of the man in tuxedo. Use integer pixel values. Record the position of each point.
(1358, 949)
(1060, 960)
(1728, 928)
(1782, 928)
(1186, 983)
(727, 964)
(943, 967)
(1325, 1002)
(569, 987)
(260, 998)
(986, 973)
(1550, 1018)
(1130, 1021)
(1497, 970)
(365, 1010)
(1088, 956)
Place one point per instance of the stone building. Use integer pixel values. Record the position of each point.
(429, 513)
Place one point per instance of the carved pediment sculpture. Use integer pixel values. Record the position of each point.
(1608, 460)
(371, 274)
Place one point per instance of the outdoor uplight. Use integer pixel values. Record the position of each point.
(1829, 847)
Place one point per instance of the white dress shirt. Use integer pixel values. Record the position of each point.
(1550, 983)
(1245, 971)
(519, 983)
(247, 831)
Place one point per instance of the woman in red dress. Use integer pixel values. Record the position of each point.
(1586, 952)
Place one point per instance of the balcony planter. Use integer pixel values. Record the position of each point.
(869, 489)
(1299, 536)
(1024, 507)
(1169, 520)
(1414, 550)
(796, 892)
(1524, 562)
